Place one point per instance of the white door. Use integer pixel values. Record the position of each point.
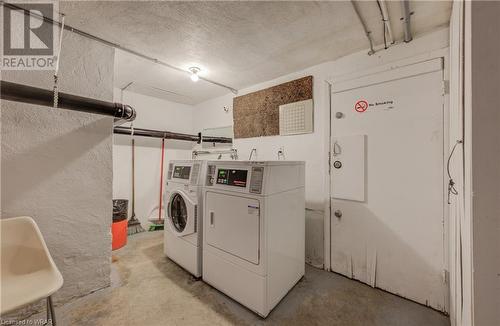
(232, 224)
(387, 179)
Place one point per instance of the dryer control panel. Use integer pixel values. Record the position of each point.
(232, 177)
(237, 179)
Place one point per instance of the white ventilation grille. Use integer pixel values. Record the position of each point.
(296, 118)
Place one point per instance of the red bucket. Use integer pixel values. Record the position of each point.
(119, 234)
(119, 226)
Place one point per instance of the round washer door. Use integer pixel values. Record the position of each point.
(181, 213)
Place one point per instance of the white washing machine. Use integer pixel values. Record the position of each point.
(254, 230)
(183, 214)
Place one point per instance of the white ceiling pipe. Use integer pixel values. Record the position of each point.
(387, 22)
(405, 4)
(365, 28)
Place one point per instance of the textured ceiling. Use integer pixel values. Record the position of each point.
(235, 43)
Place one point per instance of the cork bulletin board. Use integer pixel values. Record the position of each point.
(257, 114)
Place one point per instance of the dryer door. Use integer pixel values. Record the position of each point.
(233, 225)
(181, 213)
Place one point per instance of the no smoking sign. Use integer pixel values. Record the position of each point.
(361, 106)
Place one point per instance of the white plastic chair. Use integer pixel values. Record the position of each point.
(28, 272)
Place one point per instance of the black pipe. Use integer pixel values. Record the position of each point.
(168, 135)
(213, 139)
(155, 134)
(39, 96)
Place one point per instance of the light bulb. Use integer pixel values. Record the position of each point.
(194, 73)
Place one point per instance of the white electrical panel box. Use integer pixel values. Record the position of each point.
(348, 166)
(296, 118)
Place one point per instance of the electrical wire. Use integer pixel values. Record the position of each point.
(451, 183)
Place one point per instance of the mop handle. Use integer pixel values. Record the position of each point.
(161, 175)
(133, 176)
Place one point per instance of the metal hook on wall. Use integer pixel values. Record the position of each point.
(254, 150)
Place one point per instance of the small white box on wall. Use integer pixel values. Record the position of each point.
(296, 118)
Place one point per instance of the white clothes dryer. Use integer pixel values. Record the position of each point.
(254, 230)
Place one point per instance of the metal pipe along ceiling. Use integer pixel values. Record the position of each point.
(213, 139)
(168, 135)
(155, 134)
(365, 28)
(386, 20)
(39, 96)
(113, 45)
(405, 4)
(32, 95)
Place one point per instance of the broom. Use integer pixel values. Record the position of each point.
(134, 226)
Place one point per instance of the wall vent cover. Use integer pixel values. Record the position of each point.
(296, 118)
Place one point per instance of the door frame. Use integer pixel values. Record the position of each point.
(329, 83)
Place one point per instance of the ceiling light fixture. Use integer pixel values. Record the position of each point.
(194, 73)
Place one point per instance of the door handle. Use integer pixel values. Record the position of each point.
(212, 219)
(337, 150)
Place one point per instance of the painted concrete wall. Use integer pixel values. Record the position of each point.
(312, 148)
(485, 118)
(152, 113)
(51, 158)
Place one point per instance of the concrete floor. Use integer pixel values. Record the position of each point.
(148, 289)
